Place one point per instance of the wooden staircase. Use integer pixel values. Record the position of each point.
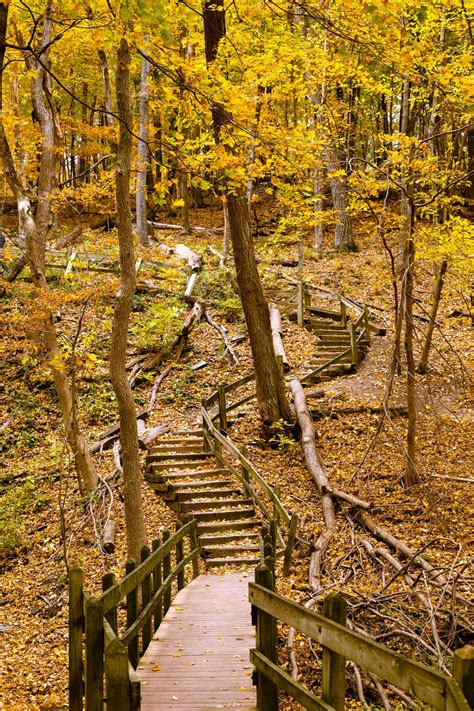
(334, 339)
(193, 485)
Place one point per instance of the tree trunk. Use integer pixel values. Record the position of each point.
(271, 396)
(141, 211)
(84, 465)
(441, 272)
(104, 67)
(270, 384)
(411, 474)
(343, 239)
(134, 520)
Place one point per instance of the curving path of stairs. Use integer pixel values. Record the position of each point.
(192, 484)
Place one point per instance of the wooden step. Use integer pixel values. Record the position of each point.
(183, 464)
(193, 499)
(174, 477)
(190, 433)
(201, 484)
(214, 504)
(219, 539)
(316, 361)
(219, 526)
(181, 448)
(324, 313)
(180, 440)
(177, 457)
(228, 514)
(212, 562)
(217, 551)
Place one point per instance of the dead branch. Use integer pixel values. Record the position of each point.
(222, 332)
(166, 226)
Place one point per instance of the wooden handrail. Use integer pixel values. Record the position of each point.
(426, 684)
(98, 616)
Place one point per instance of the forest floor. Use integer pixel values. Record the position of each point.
(43, 525)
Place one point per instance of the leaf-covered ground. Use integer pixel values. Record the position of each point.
(39, 496)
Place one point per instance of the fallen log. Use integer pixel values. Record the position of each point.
(169, 226)
(71, 237)
(277, 330)
(193, 317)
(436, 577)
(107, 438)
(349, 498)
(194, 260)
(223, 334)
(108, 537)
(318, 472)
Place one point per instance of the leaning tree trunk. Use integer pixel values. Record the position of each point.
(134, 520)
(270, 384)
(271, 396)
(441, 272)
(142, 226)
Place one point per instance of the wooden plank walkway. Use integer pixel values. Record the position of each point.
(199, 657)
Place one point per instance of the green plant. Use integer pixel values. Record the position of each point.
(281, 435)
(157, 327)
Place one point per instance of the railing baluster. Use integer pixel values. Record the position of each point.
(221, 399)
(94, 655)
(132, 610)
(193, 543)
(179, 557)
(157, 580)
(116, 674)
(108, 580)
(76, 626)
(166, 573)
(146, 597)
(333, 674)
(267, 691)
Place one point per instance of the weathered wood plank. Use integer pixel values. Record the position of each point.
(199, 657)
(425, 684)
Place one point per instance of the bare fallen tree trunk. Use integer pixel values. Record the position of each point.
(221, 331)
(277, 330)
(166, 226)
(317, 470)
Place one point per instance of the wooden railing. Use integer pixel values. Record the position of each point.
(265, 497)
(104, 644)
(338, 645)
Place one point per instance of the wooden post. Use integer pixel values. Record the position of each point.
(166, 573)
(76, 627)
(273, 536)
(289, 544)
(366, 324)
(157, 581)
(343, 314)
(204, 426)
(354, 349)
(300, 304)
(333, 674)
(193, 543)
(108, 581)
(132, 611)
(267, 691)
(222, 407)
(179, 557)
(463, 671)
(94, 655)
(116, 674)
(147, 633)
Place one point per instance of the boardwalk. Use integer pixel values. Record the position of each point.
(199, 658)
